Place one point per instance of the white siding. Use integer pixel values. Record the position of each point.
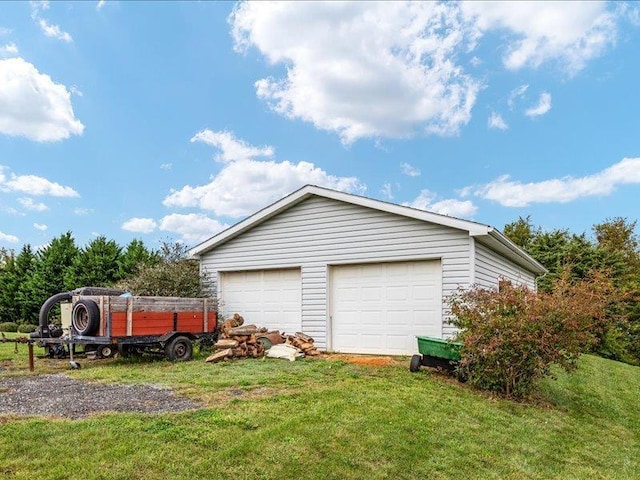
(491, 266)
(319, 232)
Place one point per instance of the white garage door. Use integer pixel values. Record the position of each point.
(380, 308)
(266, 298)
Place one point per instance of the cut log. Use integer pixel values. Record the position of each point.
(275, 338)
(244, 330)
(218, 356)
(235, 321)
(226, 343)
(306, 346)
(313, 353)
(303, 337)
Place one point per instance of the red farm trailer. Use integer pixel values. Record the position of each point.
(107, 321)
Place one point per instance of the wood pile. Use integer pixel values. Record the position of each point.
(303, 342)
(248, 341)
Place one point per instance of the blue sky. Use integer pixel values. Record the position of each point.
(175, 120)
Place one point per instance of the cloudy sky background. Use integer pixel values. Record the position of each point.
(176, 120)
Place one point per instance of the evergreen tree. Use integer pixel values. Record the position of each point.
(9, 309)
(53, 263)
(96, 265)
(521, 232)
(136, 256)
(27, 305)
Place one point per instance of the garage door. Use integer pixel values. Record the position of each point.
(266, 298)
(380, 308)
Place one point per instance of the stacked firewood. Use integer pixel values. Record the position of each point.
(303, 342)
(243, 341)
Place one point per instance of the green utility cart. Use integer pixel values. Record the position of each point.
(435, 352)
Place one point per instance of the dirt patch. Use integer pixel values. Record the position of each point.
(61, 396)
(373, 360)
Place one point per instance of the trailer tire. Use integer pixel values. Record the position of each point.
(179, 349)
(85, 317)
(416, 361)
(105, 351)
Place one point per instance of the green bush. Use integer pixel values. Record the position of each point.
(27, 328)
(511, 337)
(8, 327)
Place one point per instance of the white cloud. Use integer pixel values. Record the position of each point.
(5, 31)
(4, 237)
(50, 30)
(40, 226)
(37, 7)
(76, 91)
(29, 204)
(497, 122)
(101, 4)
(516, 94)
(632, 14)
(450, 206)
(54, 31)
(8, 50)
(33, 185)
(166, 166)
(13, 211)
(140, 225)
(362, 69)
(570, 33)
(32, 105)
(192, 227)
(245, 185)
(82, 211)
(475, 62)
(387, 191)
(410, 170)
(394, 69)
(543, 106)
(511, 193)
(230, 147)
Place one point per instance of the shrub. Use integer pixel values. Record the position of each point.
(27, 328)
(511, 337)
(8, 327)
(174, 276)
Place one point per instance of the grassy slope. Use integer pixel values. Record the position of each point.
(327, 419)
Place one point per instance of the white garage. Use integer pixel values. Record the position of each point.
(269, 298)
(358, 275)
(379, 308)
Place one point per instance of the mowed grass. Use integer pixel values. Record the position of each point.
(318, 418)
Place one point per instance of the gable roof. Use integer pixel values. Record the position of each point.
(484, 233)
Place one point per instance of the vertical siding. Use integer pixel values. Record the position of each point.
(314, 302)
(491, 266)
(321, 232)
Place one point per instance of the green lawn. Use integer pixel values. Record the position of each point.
(316, 418)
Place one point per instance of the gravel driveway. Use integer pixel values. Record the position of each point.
(61, 396)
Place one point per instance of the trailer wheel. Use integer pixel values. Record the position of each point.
(179, 349)
(85, 317)
(416, 361)
(105, 351)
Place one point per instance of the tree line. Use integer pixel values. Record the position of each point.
(611, 251)
(29, 277)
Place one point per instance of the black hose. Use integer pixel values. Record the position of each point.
(46, 308)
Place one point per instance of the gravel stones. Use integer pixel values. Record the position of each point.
(58, 395)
